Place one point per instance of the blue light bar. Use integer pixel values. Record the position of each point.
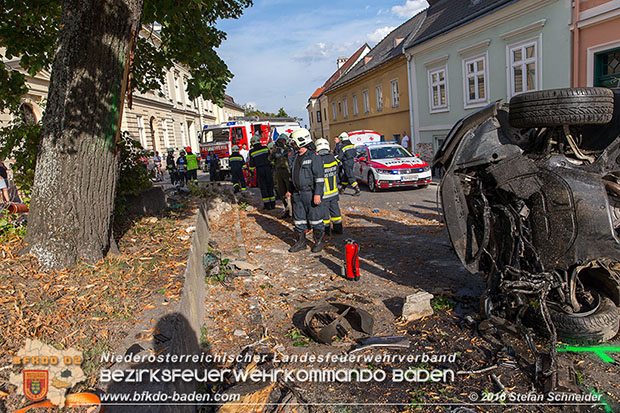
(378, 143)
(231, 123)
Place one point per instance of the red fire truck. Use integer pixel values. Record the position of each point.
(222, 137)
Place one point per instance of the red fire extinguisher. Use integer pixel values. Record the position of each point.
(351, 267)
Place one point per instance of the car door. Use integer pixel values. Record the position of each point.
(362, 163)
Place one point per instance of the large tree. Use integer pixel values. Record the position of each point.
(98, 56)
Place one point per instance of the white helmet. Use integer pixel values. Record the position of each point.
(301, 137)
(235, 148)
(322, 144)
(343, 136)
(254, 140)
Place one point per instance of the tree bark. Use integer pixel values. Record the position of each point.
(72, 205)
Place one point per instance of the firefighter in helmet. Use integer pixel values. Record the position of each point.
(347, 158)
(306, 186)
(237, 163)
(192, 165)
(259, 161)
(331, 210)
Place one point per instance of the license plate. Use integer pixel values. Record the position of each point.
(409, 178)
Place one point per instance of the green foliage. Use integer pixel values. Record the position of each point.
(188, 36)
(249, 111)
(29, 31)
(21, 141)
(442, 303)
(9, 225)
(298, 338)
(133, 176)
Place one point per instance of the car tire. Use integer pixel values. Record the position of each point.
(372, 185)
(596, 327)
(558, 107)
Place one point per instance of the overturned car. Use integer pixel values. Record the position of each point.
(531, 199)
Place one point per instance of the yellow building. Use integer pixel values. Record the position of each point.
(374, 93)
(317, 104)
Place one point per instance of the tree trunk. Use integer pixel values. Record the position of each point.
(72, 204)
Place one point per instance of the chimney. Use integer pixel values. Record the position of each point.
(341, 61)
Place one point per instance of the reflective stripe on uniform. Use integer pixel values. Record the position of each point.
(316, 222)
(347, 147)
(326, 222)
(300, 222)
(236, 158)
(258, 152)
(319, 180)
(336, 219)
(354, 184)
(270, 198)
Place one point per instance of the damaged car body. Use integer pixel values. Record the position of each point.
(531, 199)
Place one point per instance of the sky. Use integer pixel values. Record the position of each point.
(281, 51)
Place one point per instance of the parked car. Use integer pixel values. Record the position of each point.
(531, 199)
(389, 165)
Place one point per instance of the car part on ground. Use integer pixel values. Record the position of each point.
(336, 320)
(531, 198)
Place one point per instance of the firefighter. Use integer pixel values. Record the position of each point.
(237, 163)
(214, 165)
(181, 168)
(171, 166)
(281, 171)
(259, 161)
(306, 186)
(347, 157)
(331, 210)
(192, 165)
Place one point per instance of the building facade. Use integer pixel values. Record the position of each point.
(374, 93)
(158, 119)
(468, 54)
(596, 43)
(317, 106)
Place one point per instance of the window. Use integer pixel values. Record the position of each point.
(438, 88)
(187, 101)
(395, 94)
(340, 107)
(183, 140)
(345, 109)
(475, 81)
(311, 118)
(325, 113)
(334, 113)
(318, 116)
(607, 68)
(523, 67)
(141, 134)
(177, 89)
(164, 129)
(379, 93)
(354, 98)
(366, 102)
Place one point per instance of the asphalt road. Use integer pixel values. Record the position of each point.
(420, 202)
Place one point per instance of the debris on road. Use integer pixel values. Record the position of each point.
(417, 306)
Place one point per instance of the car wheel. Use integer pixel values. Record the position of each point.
(372, 185)
(558, 107)
(596, 325)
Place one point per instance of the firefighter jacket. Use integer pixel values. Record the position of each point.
(307, 173)
(259, 157)
(192, 161)
(330, 168)
(279, 158)
(236, 162)
(170, 162)
(347, 152)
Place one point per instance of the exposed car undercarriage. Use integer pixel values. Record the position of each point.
(531, 200)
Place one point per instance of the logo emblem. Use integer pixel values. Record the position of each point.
(35, 384)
